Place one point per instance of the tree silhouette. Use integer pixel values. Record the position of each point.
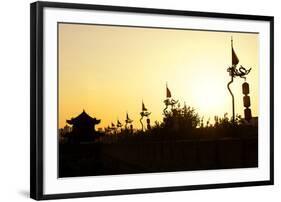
(181, 119)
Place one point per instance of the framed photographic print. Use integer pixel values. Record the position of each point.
(136, 100)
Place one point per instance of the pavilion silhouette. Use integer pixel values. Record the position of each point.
(83, 127)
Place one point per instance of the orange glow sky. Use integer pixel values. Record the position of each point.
(108, 70)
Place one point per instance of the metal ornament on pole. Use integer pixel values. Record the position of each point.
(128, 121)
(144, 113)
(169, 101)
(234, 72)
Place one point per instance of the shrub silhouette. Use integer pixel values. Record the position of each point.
(179, 119)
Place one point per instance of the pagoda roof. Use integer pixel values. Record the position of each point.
(82, 118)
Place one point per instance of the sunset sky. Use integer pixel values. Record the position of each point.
(109, 70)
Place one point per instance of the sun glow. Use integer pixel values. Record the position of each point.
(108, 71)
(209, 101)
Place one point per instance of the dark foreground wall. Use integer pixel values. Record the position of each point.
(127, 158)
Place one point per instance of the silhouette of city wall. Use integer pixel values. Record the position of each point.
(184, 155)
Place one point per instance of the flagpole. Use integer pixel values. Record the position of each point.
(241, 72)
(230, 82)
(233, 106)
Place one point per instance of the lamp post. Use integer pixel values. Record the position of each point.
(129, 121)
(144, 113)
(169, 101)
(235, 72)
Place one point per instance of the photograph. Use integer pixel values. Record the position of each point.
(136, 99)
(140, 101)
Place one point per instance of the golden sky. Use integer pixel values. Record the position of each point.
(109, 70)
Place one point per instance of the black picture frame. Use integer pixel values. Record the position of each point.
(36, 98)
